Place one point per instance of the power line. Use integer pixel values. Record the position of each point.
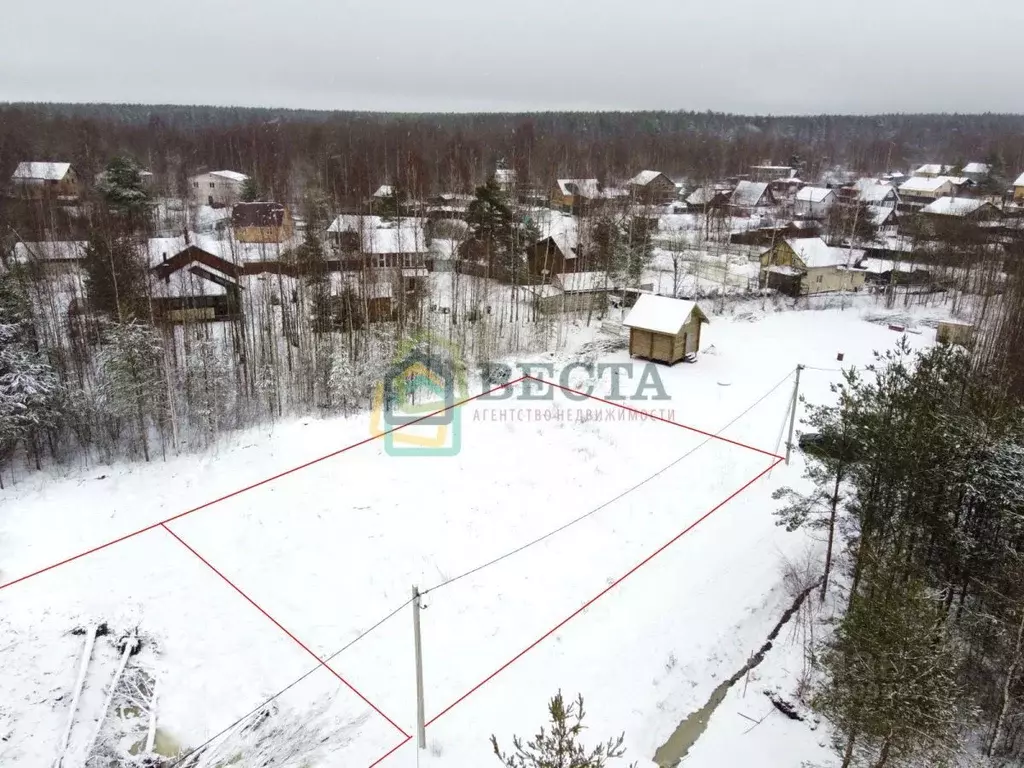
(611, 501)
(258, 708)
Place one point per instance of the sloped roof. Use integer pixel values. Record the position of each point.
(257, 215)
(505, 176)
(644, 178)
(749, 193)
(661, 314)
(230, 175)
(384, 190)
(814, 194)
(933, 169)
(562, 228)
(876, 193)
(193, 279)
(954, 206)
(1020, 181)
(816, 253)
(402, 235)
(923, 184)
(586, 188)
(979, 168)
(879, 214)
(705, 195)
(41, 171)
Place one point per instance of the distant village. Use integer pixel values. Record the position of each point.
(768, 230)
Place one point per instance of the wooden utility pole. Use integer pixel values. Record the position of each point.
(421, 731)
(792, 412)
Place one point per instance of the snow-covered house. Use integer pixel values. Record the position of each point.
(1018, 189)
(505, 178)
(193, 285)
(977, 172)
(572, 292)
(884, 220)
(807, 266)
(381, 242)
(557, 250)
(572, 193)
(969, 208)
(708, 198)
(933, 170)
(217, 187)
(664, 329)
(879, 194)
(58, 181)
(814, 202)
(926, 188)
(652, 187)
(749, 196)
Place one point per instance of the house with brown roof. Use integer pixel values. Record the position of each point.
(193, 285)
(261, 222)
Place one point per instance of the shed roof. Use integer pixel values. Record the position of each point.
(979, 168)
(384, 190)
(257, 215)
(661, 314)
(41, 171)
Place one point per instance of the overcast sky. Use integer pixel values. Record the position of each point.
(750, 56)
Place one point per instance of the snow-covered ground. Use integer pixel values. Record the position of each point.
(329, 550)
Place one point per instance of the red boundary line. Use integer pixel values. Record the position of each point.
(656, 418)
(278, 624)
(265, 481)
(605, 591)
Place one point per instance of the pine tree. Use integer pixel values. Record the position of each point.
(122, 188)
(131, 378)
(560, 746)
(115, 280)
(250, 190)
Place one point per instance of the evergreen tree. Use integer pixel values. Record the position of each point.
(122, 188)
(115, 279)
(560, 747)
(250, 190)
(132, 388)
(890, 684)
(311, 258)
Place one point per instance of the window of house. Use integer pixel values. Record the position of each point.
(213, 185)
(195, 184)
(818, 279)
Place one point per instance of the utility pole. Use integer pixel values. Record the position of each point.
(792, 414)
(421, 730)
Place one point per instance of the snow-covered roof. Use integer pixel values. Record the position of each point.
(193, 279)
(924, 184)
(814, 194)
(878, 266)
(586, 188)
(384, 190)
(49, 250)
(230, 176)
(933, 169)
(661, 314)
(705, 195)
(815, 253)
(377, 236)
(583, 282)
(560, 227)
(748, 193)
(876, 193)
(41, 171)
(1020, 181)
(954, 206)
(879, 214)
(978, 168)
(232, 251)
(782, 269)
(644, 178)
(505, 176)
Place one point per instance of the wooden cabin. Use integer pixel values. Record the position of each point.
(664, 329)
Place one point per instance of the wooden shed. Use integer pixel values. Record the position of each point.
(664, 329)
(951, 332)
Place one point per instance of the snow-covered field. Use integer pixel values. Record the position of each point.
(329, 550)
